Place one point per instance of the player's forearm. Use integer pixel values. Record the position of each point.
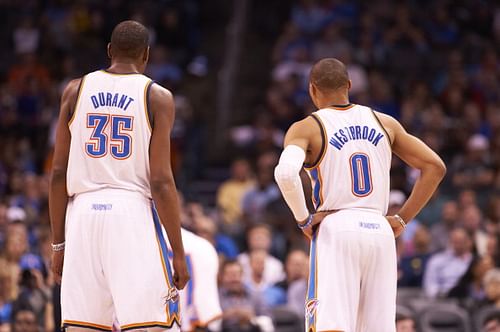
(165, 197)
(58, 200)
(287, 176)
(424, 188)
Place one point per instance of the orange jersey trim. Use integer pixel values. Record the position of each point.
(87, 324)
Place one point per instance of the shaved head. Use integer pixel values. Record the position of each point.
(129, 40)
(329, 75)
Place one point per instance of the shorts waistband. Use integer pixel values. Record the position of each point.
(112, 193)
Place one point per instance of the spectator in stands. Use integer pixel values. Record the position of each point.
(206, 227)
(6, 295)
(259, 237)
(472, 221)
(493, 213)
(491, 282)
(295, 269)
(445, 268)
(469, 289)
(256, 199)
(412, 267)
(265, 295)
(257, 137)
(474, 169)
(236, 302)
(24, 319)
(308, 16)
(331, 44)
(492, 322)
(292, 290)
(404, 323)
(440, 232)
(295, 284)
(16, 245)
(231, 192)
(35, 291)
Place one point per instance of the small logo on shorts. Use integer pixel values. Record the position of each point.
(311, 306)
(102, 207)
(173, 295)
(369, 225)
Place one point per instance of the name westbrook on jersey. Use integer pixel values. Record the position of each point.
(342, 136)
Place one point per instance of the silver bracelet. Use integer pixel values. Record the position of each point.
(401, 221)
(58, 246)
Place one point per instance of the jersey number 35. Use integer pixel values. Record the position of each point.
(119, 144)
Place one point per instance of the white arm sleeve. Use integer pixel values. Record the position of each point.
(288, 179)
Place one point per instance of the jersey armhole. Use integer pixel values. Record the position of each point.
(323, 143)
(72, 112)
(381, 126)
(149, 114)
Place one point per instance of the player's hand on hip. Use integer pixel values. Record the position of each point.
(181, 274)
(57, 265)
(316, 220)
(396, 226)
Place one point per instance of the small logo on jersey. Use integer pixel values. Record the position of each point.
(173, 295)
(102, 207)
(311, 306)
(369, 225)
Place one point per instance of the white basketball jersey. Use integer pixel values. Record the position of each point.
(110, 134)
(200, 298)
(353, 169)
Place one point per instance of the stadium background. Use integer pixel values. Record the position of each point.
(239, 71)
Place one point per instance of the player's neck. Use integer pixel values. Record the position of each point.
(334, 101)
(118, 67)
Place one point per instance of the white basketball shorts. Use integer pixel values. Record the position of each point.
(116, 264)
(353, 274)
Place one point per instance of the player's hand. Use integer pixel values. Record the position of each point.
(396, 226)
(57, 265)
(181, 274)
(317, 219)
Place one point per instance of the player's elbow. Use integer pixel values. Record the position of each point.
(286, 176)
(58, 175)
(437, 168)
(160, 185)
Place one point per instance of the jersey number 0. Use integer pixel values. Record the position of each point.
(361, 174)
(119, 144)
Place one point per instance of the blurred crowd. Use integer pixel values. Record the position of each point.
(434, 65)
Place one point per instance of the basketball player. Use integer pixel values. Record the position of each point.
(112, 160)
(346, 150)
(200, 307)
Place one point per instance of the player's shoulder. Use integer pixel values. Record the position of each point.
(158, 91)
(304, 126)
(73, 86)
(390, 123)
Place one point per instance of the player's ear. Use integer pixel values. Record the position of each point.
(145, 56)
(109, 50)
(349, 84)
(312, 91)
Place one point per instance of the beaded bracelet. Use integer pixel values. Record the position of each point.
(307, 223)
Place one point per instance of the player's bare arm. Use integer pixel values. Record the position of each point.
(163, 188)
(58, 196)
(418, 155)
(300, 147)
